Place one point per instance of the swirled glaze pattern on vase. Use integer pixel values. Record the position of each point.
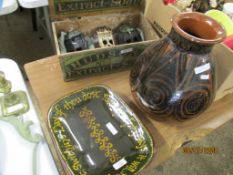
(176, 76)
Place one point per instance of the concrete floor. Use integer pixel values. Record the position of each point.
(19, 42)
(220, 163)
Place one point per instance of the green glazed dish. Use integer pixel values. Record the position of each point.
(223, 19)
(96, 133)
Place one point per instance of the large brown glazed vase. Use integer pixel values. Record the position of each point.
(176, 76)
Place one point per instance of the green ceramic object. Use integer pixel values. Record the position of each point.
(223, 19)
(5, 85)
(96, 133)
(13, 104)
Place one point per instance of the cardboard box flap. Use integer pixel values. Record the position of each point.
(160, 15)
(224, 67)
(60, 9)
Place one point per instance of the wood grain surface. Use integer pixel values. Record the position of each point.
(47, 83)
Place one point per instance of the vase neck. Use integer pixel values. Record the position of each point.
(186, 45)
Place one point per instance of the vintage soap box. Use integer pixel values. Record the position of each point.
(88, 17)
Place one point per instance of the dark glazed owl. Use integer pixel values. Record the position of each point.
(176, 76)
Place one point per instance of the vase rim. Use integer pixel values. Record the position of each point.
(210, 30)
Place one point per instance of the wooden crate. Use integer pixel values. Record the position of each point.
(86, 16)
(160, 15)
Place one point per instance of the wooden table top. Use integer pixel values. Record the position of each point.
(47, 83)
